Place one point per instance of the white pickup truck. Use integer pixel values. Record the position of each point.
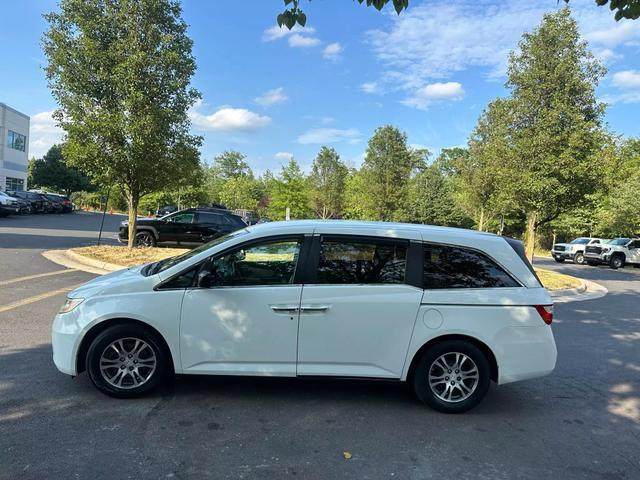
(574, 250)
(616, 253)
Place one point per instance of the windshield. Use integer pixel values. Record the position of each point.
(579, 241)
(619, 241)
(167, 263)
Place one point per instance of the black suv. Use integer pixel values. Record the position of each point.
(37, 201)
(186, 228)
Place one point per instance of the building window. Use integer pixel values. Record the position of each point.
(16, 141)
(15, 184)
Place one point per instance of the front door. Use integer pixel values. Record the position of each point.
(357, 315)
(246, 322)
(634, 252)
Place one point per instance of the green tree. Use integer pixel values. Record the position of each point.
(388, 169)
(231, 164)
(289, 190)
(433, 199)
(550, 126)
(481, 172)
(120, 72)
(327, 180)
(52, 172)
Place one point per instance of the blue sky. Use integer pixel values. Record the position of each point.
(271, 94)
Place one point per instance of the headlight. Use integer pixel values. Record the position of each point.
(70, 304)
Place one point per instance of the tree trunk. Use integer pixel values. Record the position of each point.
(531, 235)
(133, 199)
(481, 221)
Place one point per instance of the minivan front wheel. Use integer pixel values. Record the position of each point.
(126, 361)
(452, 376)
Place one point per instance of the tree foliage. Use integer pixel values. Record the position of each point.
(327, 183)
(293, 14)
(52, 172)
(289, 190)
(388, 169)
(120, 72)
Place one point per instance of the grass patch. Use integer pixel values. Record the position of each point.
(556, 281)
(125, 256)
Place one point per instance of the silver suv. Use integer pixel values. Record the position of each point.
(574, 250)
(616, 253)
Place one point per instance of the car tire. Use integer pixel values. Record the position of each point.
(617, 261)
(578, 258)
(145, 238)
(559, 260)
(456, 369)
(133, 350)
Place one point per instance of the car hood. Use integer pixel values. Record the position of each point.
(125, 280)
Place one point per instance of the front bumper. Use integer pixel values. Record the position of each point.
(9, 209)
(602, 258)
(562, 255)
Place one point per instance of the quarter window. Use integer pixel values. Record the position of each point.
(272, 263)
(456, 267)
(358, 262)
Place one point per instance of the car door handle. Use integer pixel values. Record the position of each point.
(289, 309)
(314, 308)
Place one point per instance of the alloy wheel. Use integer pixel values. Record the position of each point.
(453, 377)
(127, 363)
(144, 240)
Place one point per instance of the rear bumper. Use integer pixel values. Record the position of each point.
(593, 258)
(524, 353)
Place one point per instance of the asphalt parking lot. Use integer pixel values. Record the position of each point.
(583, 421)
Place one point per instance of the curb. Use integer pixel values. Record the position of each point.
(71, 259)
(110, 267)
(587, 291)
(571, 291)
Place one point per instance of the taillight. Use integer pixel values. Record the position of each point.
(545, 312)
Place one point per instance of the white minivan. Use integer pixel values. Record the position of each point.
(446, 310)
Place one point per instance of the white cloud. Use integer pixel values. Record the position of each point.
(333, 52)
(619, 34)
(43, 134)
(272, 97)
(435, 92)
(370, 87)
(283, 156)
(228, 119)
(434, 40)
(301, 41)
(329, 135)
(628, 83)
(627, 79)
(275, 32)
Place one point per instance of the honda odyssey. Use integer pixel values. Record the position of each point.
(445, 310)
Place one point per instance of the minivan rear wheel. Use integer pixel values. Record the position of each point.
(452, 376)
(126, 361)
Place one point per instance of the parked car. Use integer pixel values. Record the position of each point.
(190, 227)
(616, 253)
(445, 310)
(166, 210)
(65, 203)
(8, 205)
(574, 250)
(37, 201)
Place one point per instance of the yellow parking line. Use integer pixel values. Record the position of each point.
(38, 275)
(36, 298)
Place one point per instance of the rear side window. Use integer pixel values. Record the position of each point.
(456, 267)
(210, 218)
(360, 262)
